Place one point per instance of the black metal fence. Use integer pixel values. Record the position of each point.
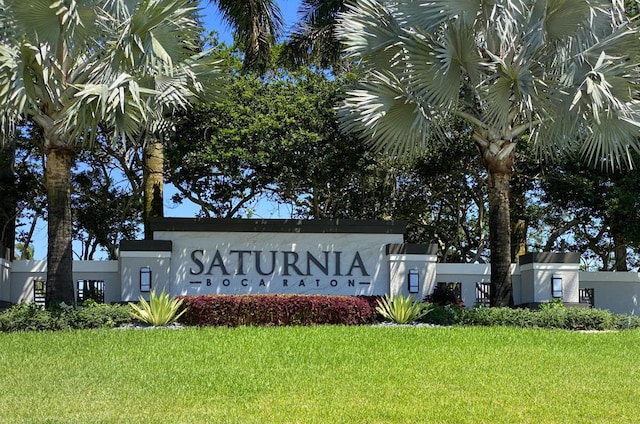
(483, 294)
(586, 296)
(85, 289)
(90, 290)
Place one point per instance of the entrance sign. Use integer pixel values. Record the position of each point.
(278, 256)
(214, 256)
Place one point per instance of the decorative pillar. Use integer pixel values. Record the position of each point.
(548, 276)
(412, 269)
(145, 266)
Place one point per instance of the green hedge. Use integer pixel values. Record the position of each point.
(308, 310)
(29, 317)
(546, 317)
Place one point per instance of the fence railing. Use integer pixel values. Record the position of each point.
(90, 290)
(586, 295)
(85, 289)
(483, 294)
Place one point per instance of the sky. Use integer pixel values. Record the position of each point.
(212, 21)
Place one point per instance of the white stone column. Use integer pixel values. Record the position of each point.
(137, 256)
(411, 258)
(537, 272)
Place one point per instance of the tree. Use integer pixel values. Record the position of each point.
(313, 39)
(270, 137)
(443, 197)
(599, 210)
(563, 72)
(9, 205)
(257, 25)
(28, 166)
(107, 197)
(72, 65)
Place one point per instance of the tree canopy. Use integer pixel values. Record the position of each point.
(562, 72)
(71, 67)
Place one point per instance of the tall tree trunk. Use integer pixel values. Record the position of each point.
(499, 168)
(500, 239)
(518, 239)
(9, 204)
(27, 252)
(153, 157)
(59, 255)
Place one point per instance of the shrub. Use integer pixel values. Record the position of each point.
(372, 301)
(258, 309)
(589, 319)
(442, 296)
(161, 309)
(626, 322)
(402, 309)
(551, 316)
(30, 317)
(100, 315)
(444, 315)
(500, 317)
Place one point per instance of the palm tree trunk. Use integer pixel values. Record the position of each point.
(59, 256)
(500, 238)
(153, 157)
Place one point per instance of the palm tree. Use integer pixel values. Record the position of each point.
(257, 25)
(313, 39)
(71, 66)
(560, 73)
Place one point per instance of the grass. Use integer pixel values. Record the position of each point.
(320, 375)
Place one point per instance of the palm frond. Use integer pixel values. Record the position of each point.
(621, 42)
(123, 105)
(438, 68)
(155, 36)
(432, 15)
(609, 142)
(369, 31)
(563, 17)
(608, 88)
(386, 116)
(35, 17)
(313, 39)
(59, 24)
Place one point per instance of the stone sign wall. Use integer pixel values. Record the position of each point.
(278, 256)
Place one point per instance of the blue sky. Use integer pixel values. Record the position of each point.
(289, 9)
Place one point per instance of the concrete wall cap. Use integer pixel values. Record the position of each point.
(411, 249)
(278, 225)
(146, 245)
(549, 258)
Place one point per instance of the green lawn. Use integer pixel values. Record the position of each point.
(320, 375)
